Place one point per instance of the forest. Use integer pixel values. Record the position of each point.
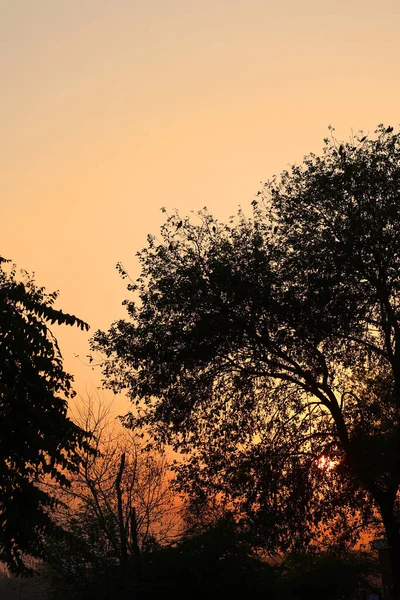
(261, 356)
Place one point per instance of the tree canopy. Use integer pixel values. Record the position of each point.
(266, 345)
(38, 442)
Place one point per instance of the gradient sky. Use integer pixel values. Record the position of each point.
(112, 109)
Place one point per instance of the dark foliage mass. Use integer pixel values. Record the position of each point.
(269, 348)
(38, 442)
(327, 575)
(217, 562)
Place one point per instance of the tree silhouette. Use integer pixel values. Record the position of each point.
(216, 562)
(329, 575)
(119, 507)
(38, 441)
(269, 348)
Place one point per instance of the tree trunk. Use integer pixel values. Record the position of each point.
(122, 531)
(135, 542)
(385, 501)
(393, 537)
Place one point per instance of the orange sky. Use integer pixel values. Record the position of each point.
(111, 110)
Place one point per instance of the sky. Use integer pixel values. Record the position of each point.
(111, 110)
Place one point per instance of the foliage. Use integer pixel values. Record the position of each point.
(38, 441)
(215, 562)
(119, 507)
(81, 563)
(328, 575)
(264, 346)
(218, 561)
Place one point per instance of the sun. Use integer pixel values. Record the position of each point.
(326, 464)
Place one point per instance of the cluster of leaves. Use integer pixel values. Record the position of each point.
(38, 441)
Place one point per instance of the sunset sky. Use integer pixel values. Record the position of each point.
(112, 109)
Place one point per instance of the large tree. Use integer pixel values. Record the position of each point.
(270, 347)
(38, 442)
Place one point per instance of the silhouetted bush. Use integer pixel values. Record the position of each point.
(327, 576)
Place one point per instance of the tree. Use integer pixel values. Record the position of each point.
(270, 347)
(120, 507)
(216, 562)
(331, 575)
(38, 441)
